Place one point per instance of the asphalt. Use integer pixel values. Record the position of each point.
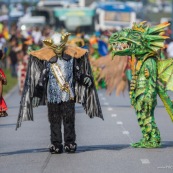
(103, 146)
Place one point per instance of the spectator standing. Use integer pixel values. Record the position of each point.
(13, 56)
(36, 34)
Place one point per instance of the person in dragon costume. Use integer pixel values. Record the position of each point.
(59, 75)
(150, 75)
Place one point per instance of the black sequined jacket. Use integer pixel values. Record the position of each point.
(35, 88)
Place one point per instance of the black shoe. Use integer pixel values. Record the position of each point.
(70, 148)
(56, 149)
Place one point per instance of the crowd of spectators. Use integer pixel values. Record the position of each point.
(16, 43)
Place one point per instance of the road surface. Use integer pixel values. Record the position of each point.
(103, 146)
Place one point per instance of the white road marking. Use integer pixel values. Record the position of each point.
(114, 115)
(119, 122)
(145, 161)
(126, 133)
(106, 103)
(109, 109)
(103, 98)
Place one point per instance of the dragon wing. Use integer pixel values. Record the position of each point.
(112, 71)
(165, 73)
(165, 78)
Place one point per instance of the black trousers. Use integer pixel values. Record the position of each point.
(58, 113)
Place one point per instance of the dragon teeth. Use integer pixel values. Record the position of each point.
(119, 46)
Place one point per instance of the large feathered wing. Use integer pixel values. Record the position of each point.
(165, 83)
(112, 71)
(28, 101)
(87, 96)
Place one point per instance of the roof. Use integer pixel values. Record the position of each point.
(118, 7)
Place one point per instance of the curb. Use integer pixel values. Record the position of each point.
(11, 92)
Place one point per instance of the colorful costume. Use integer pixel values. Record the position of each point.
(59, 75)
(3, 106)
(21, 72)
(112, 71)
(150, 75)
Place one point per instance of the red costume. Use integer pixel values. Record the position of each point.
(3, 106)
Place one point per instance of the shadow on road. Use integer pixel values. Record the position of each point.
(7, 125)
(167, 144)
(102, 147)
(80, 149)
(38, 150)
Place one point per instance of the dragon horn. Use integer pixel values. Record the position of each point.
(48, 42)
(143, 23)
(157, 44)
(156, 37)
(64, 37)
(158, 28)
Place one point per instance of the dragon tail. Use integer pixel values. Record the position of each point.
(166, 101)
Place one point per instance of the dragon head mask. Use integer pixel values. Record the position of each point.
(140, 40)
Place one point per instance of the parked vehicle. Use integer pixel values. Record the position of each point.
(73, 19)
(113, 15)
(29, 21)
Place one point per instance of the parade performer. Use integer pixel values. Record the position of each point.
(61, 74)
(23, 57)
(113, 72)
(3, 81)
(150, 75)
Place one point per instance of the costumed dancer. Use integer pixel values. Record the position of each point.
(23, 58)
(150, 75)
(60, 74)
(3, 81)
(113, 72)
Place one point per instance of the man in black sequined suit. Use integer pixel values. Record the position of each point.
(59, 75)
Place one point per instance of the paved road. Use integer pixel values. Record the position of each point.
(103, 146)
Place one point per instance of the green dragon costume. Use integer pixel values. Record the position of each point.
(150, 75)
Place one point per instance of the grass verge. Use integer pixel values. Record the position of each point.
(11, 81)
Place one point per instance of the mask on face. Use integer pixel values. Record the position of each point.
(57, 43)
